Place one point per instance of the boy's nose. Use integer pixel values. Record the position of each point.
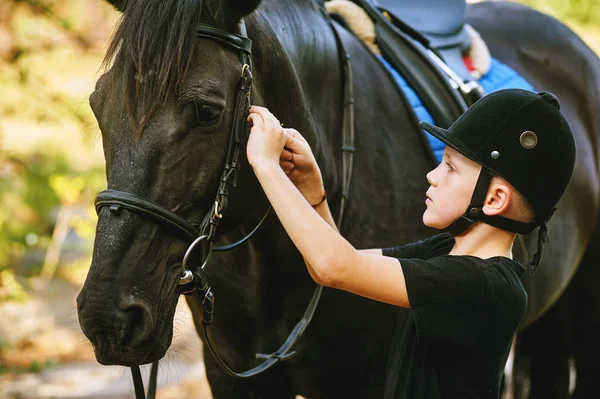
(430, 178)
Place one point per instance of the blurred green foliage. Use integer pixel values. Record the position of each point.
(33, 189)
(586, 12)
(50, 160)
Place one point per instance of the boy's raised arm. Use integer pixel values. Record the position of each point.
(334, 261)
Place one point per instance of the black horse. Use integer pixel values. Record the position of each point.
(165, 108)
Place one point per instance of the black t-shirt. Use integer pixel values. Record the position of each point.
(454, 340)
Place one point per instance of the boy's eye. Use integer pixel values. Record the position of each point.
(450, 167)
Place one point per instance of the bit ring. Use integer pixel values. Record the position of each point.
(184, 268)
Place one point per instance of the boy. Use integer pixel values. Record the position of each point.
(508, 161)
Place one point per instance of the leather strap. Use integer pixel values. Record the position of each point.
(347, 121)
(116, 200)
(238, 42)
(406, 50)
(138, 383)
(283, 353)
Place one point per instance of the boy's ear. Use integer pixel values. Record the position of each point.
(498, 199)
(118, 4)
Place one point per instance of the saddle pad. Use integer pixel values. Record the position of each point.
(500, 76)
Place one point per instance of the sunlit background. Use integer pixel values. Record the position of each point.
(51, 167)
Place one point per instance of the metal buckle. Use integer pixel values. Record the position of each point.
(245, 70)
(217, 214)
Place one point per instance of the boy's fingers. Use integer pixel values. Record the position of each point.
(268, 118)
(286, 165)
(286, 155)
(256, 108)
(256, 119)
(292, 141)
(296, 134)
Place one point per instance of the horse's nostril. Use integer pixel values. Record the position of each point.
(135, 321)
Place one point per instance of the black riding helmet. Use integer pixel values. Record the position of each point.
(522, 137)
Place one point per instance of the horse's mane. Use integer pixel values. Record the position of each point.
(152, 49)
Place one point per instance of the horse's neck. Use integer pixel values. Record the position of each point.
(299, 72)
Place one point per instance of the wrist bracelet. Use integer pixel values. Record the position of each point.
(322, 199)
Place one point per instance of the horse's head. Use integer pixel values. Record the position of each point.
(166, 112)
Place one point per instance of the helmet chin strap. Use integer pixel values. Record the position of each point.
(474, 213)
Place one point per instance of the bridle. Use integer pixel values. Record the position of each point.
(194, 283)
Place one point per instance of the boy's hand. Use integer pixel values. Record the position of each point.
(299, 164)
(266, 139)
(269, 142)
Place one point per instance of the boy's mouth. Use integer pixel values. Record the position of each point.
(428, 197)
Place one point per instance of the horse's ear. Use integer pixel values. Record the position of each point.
(241, 8)
(118, 4)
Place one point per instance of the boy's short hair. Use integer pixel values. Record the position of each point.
(522, 210)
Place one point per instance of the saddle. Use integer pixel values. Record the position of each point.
(427, 48)
(444, 28)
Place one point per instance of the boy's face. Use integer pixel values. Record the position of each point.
(452, 184)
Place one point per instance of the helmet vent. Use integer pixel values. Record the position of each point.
(528, 139)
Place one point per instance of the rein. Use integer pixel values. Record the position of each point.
(194, 282)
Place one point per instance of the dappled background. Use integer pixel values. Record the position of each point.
(51, 168)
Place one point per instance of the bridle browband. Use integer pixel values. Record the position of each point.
(194, 283)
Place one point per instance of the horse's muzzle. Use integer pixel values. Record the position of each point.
(123, 334)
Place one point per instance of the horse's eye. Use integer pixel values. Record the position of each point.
(207, 115)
